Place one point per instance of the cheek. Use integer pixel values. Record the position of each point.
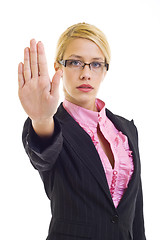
(69, 78)
(67, 81)
(102, 78)
(99, 83)
(65, 78)
(104, 75)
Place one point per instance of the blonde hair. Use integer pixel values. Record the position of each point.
(83, 30)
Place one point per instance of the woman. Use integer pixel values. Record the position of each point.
(87, 156)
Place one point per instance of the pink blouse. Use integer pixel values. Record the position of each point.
(119, 177)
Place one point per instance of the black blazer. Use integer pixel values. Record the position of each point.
(75, 183)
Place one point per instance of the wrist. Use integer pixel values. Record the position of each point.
(43, 128)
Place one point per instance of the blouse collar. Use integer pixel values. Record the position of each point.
(84, 116)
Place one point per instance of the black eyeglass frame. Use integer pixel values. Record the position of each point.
(64, 63)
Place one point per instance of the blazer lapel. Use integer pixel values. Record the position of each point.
(128, 129)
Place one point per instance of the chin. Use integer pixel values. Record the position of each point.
(84, 100)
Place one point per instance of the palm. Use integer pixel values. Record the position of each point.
(38, 95)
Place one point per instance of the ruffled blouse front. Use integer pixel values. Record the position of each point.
(119, 176)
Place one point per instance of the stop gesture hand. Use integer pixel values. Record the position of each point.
(38, 95)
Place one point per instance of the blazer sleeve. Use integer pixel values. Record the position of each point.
(138, 224)
(42, 152)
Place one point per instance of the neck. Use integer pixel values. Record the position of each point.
(87, 105)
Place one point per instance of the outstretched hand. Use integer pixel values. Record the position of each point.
(38, 95)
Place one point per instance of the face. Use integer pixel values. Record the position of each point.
(81, 85)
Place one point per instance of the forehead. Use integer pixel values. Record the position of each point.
(84, 48)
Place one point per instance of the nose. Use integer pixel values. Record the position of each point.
(85, 73)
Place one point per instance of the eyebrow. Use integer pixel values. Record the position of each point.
(80, 57)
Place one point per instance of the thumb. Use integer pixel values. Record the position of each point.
(56, 81)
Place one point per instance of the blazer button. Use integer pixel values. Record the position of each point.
(115, 219)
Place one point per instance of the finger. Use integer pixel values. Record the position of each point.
(42, 62)
(33, 58)
(21, 81)
(56, 81)
(27, 69)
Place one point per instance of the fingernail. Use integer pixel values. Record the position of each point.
(32, 40)
(40, 45)
(20, 66)
(26, 50)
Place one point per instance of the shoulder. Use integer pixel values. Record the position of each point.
(122, 123)
(122, 119)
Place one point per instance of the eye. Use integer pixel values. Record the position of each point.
(74, 63)
(96, 64)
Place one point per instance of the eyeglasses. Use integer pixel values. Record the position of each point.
(77, 64)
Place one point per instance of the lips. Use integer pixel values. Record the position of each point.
(87, 86)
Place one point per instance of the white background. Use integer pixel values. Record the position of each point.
(131, 89)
